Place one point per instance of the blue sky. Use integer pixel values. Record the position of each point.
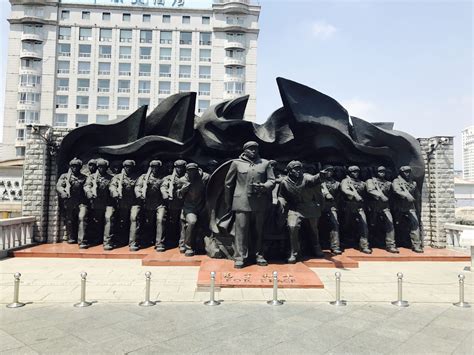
(410, 62)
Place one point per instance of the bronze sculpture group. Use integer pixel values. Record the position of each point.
(156, 206)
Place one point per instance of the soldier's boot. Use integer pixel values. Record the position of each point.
(160, 242)
(295, 245)
(415, 241)
(364, 245)
(318, 252)
(335, 243)
(390, 242)
(261, 261)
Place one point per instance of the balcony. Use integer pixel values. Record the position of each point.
(204, 76)
(103, 89)
(234, 44)
(61, 105)
(123, 89)
(31, 37)
(30, 54)
(205, 43)
(102, 107)
(144, 73)
(143, 91)
(204, 93)
(64, 37)
(105, 39)
(103, 72)
(239, 61)
(125, 56)
(125, 73)
(63, 88)
(123, 107)
(145, 57)
(205, 59)
(234, 77)
(83, 89)
(108, 56)
(84, 55)
(185, 59)
(184, 75)
(165, 75)
(64, 54)
(63, 71)
(164, 92)
(82, 106)
(165, 57)
(166, 41)
(84, 72)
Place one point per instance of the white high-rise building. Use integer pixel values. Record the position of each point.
(468, 153)
(74, 62)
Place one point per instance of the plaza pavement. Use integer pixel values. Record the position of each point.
(243, 323)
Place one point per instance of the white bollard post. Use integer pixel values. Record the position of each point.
(275, 301)
(212, 301)
(16, 293)
(83, 302)
(338, 301)
(461, 302)
(400, 302)
(147, 302)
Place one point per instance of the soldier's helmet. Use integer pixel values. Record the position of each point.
(294, 164)
(381, 168)
(102, 162)
(180, 162)
(328, 167)
(250, 144)
(154, 163)
(92, 162)
(192, 166)
(405, 168)
(353, 168)
(75, 162)
(128, 162)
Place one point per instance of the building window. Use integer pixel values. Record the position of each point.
(85, 34)
(165, 53)
(30, 80)
(204, 55)
(60, 120)
(126, 17)
(123, 86)
(82, 102)
(203, 105)
(234, 87)
(83, 85)
(184, 71)
(65, 15)
(105, 35)
(185, 54)
(63, 84)
(102, 102)
(204, 89)
(146, 18)
(64, 49)
(164, 87)
(86, 15)
(145, 52)
(125, 52)
(84, 68)
(106, 16)
(125, 69)
(165, 70)
(84, 50)
(185, 37)
(144, 69)
(64, 33)
(29, 98)
(125, 35)
(205, 20)
(166, 37)
(144, 87)
(204, 72)
(234, 53)
(28, 117)
(20, 151)
(61, 101)
(20, 134)
(234, 71)
(81, 120)
(166, 19)
(184, 87)
(105, 51)
(63, 67)
(104, 68)
(103, 85)
(30, 64)
(123, 103)
(101, 118)
(146, 36)
(235, 37)
(205, 38)
(142, 101)
(186, 19)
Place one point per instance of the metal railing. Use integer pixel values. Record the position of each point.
(16, 232)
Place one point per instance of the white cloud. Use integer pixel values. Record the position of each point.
(359, 108)
(322, 30)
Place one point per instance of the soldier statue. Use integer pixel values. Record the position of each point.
(248, 187)
(330, 190)
(192, 190)
(175, 203)
(149, 189)
(70, 188)
(92, 166)
(403, 206)
(379, 190)
(123, 222)
(353, 189)
(300, 197)
(97, 192)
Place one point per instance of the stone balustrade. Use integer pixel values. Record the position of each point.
(15, 232)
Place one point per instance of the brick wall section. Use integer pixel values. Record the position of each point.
(438, 202)
(39, 182)
(40, 198)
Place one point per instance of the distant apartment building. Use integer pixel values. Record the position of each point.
(75, 62)
(468, 153)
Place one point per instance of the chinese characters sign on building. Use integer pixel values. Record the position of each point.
(190, 4)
